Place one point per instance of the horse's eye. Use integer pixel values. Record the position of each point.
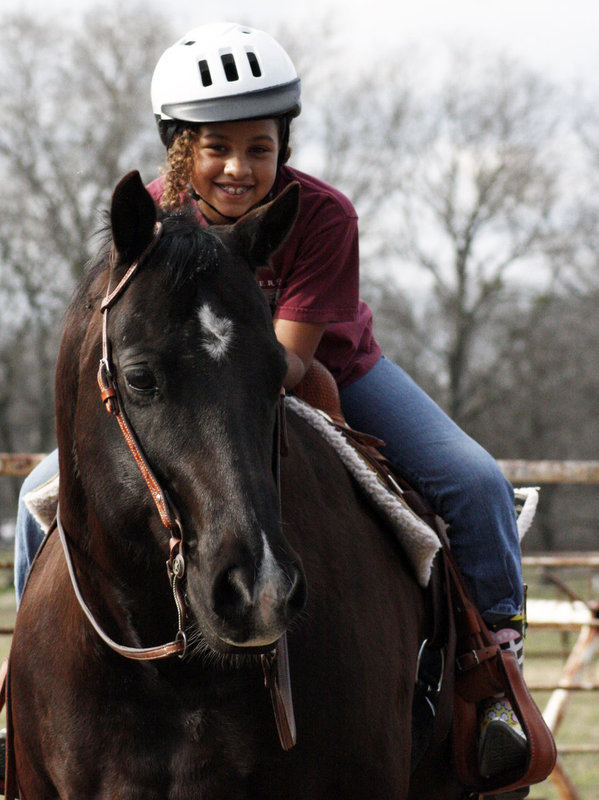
(141, 379)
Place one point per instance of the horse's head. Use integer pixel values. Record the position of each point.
(198, 372)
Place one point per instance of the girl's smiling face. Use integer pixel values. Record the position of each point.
(235, 166)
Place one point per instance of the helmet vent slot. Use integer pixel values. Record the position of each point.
(254, 65)
(205, 73)
(230, 67)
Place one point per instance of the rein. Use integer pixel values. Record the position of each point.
(136, 653)
(275, 664)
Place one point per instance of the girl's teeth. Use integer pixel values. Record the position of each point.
(233, 190)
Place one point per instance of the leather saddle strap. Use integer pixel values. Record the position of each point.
(275, 665)
(444, 630)
(277, 680)
(470, 626)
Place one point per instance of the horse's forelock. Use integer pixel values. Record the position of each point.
(185, 248)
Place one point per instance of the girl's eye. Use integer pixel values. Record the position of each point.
(141, 379)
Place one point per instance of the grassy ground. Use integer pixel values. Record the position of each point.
(7, 618)
(580, 725)
(545, 655)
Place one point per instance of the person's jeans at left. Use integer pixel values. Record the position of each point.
(28, 532)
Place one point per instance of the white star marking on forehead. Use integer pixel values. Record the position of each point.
(217, 333)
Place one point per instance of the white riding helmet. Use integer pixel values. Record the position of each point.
(223, 72)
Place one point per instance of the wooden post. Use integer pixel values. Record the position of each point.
(563, 785)
(581, 655)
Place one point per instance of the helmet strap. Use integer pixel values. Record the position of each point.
(197, 197)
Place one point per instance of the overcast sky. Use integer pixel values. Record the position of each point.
(557, 36)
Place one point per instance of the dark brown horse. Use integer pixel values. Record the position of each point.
(190, 358)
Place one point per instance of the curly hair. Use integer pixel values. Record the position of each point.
(179, 169)
(180, 158)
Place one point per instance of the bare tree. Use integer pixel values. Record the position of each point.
(357, 124)
(478, 209)
(582, 274)
(76, 117)
(541, 404)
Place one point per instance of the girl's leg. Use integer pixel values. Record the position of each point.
(466, 487)
(456, 475)
(28, 533)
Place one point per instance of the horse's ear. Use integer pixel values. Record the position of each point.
(132, 217)
(261, 232)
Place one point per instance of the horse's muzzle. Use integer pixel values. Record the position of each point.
(249, 601)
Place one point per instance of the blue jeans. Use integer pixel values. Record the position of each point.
(461, 481)
(457, 476)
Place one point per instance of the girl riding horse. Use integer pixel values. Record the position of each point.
(224, 97)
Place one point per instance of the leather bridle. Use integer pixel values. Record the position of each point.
(275, 663)
(166, 511)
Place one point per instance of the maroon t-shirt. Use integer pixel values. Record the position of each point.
(314, 277)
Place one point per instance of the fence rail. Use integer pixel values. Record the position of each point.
(19, 464)
(515, 470)
(533, 472)
(590, 559)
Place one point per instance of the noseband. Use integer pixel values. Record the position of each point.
(275, 664)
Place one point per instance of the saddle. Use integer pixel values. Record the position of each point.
(460, 665)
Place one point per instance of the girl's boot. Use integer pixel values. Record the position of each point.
(502, 743)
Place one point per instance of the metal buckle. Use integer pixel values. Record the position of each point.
(464, 655)
(107, 388)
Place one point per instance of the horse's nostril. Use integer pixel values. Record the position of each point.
(296, 599)
(230, 592)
